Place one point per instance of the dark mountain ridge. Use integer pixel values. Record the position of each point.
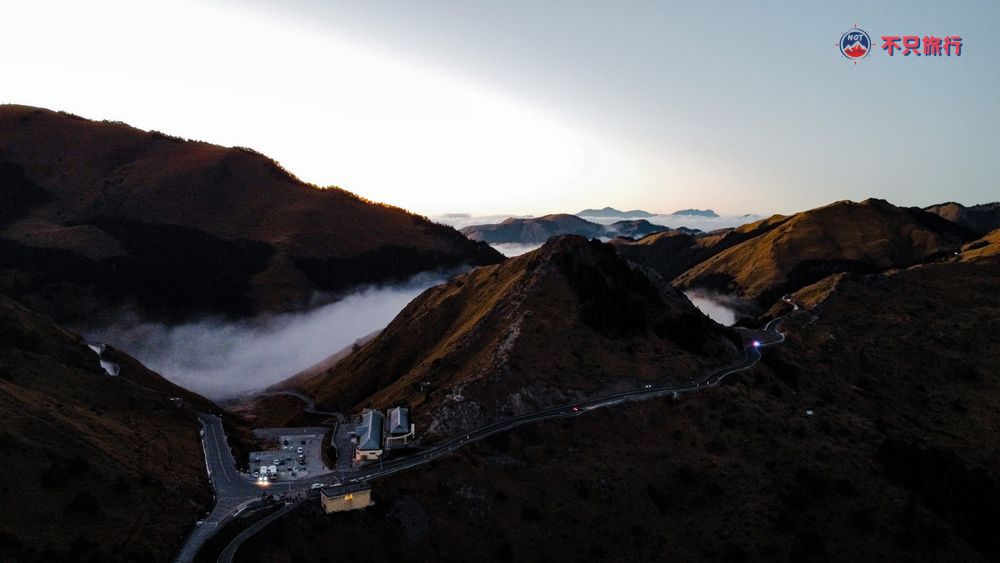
(564, 321)
(536, 230)
(762, 261)
(101, 467)
(697, 213)
(100, 214)
(869, 434)
(612, 212)
(981, 218)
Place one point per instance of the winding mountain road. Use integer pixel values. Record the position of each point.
(229, 552)
(233, 490)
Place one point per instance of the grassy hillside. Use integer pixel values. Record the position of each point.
(671, 253)
(980, 218)
(98, 214)
(567, 320)
(784, 254)
(898, 462)
(99, 468)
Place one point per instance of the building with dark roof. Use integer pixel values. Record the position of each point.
(399, 421)
(369, 445)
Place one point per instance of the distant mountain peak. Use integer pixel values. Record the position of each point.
(696, 213)
(982, 218)
(612, 212)
(537, 230)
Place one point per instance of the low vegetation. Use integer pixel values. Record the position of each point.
(99, 468)
(895, 461)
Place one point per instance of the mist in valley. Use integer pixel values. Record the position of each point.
(721, 308)
(707, 224)
(221, 358)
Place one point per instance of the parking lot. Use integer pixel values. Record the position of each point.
(297, 456)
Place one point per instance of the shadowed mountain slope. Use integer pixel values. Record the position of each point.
(533, 230)
(100, 467)
(870, 434)
(565, 321)
(98, 214)
(782, 254)
(980, 218)
(671, 253)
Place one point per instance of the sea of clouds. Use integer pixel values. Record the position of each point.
(220, 358)
(707, 224)
(462, 220)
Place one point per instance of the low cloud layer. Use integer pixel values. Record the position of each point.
(721, 308)
(462, 220)
(222, 359)
(706, 224)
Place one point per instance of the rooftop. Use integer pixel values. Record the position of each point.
(334, 492)
(371, 431)
(399, 420)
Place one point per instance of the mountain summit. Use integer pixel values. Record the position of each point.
(981, 218)
(566, 321)
(696, 213)
(785, 253)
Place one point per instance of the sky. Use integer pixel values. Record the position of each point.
(533, 107)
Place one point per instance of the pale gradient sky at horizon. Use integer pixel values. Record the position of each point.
(447, 106)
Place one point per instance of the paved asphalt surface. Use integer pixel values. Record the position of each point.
(233, 490)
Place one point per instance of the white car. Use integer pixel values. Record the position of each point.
(316, 486)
